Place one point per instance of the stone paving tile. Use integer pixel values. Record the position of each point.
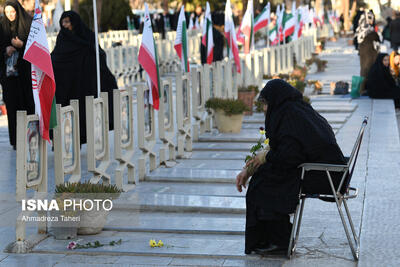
(135, 243)
(188, 222)
(196, 262)
(83, 259)
(219, 155)
(158, 261)
(206, 146)
(209, 164)
(253, 263)
(29, 260)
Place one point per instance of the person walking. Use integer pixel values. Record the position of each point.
(368, 45)
(395, 32)
(15, 74)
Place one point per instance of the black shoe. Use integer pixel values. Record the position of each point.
(271, 250)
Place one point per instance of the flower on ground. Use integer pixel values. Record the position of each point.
(160, 243)
(71, 245)
(266, 141)
(152, 243)
(262, 132)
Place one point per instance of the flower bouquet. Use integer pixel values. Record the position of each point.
(260, 149)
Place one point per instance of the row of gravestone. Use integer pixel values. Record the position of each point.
(219, 79)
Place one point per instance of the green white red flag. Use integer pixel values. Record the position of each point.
(290, 21)
(43, 83)
(181, 45)
(263, 18)
(207, 39)
(231, 35)
(148, 59)
(245, 34)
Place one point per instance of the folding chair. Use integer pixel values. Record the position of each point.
(339, 195)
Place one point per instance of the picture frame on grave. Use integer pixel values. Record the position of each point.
(185, 99)
(33, 155)
(99, 146)
(199, 89)
(148, 120)
(125, 122)
(167, 106)
(223, 77)
(67, 141)
(211, 81)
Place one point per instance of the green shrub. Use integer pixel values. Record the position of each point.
(249, 88)
(229, 106)
(259, 106)
(299, 85)
(86, 187)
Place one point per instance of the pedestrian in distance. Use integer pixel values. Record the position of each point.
(15, 74)
(395, 32)
(297, 134)
(74, 64)
(395, 66)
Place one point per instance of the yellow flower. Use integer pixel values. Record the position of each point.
(266, 141)
(262, 132)
(152, 243)
(160, 243)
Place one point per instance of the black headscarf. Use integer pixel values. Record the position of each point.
(380, 83)
(289, 115)
(20, 26)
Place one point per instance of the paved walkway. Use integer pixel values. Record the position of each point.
(195, 209)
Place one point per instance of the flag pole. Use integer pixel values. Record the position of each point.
(96, 33)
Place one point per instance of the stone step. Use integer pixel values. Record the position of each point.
(137, 243)
(179, 188)
(222, 146)
(245, 135)
(255, 126)
(232, 164)
(219, 155)
(172, 222)
(194, 176)
(331, 117)
(181, 203)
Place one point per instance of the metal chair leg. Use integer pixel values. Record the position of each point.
(291, 240)
(299, 223)
(351, 224)
(353, 250)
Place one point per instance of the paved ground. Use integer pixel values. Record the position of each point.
(196, 211)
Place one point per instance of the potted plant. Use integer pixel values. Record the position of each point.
(247, 95)
(60, 228)
(92, 218)
(228, 113)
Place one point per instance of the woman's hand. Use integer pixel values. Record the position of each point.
(16, 42)
(9, 50)
(258, 160)
(241, 180)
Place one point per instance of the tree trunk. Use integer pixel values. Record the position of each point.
(98, 6)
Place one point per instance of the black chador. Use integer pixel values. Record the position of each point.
(74, 64)
(17, 84)
(297, 134)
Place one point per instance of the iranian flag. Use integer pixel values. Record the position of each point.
(148, 59)
(207, 39)
(290, 21)
(273, 35)
(231, 36)
(43, 83)
(181, 45)
(245, 34)
(280, 13)
(263, 18)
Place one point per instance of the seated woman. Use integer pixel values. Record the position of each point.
(297, 134)
(395, 66)
(74, 64)
(380, 83)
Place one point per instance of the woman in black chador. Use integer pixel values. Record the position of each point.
(380, 83)
(297, 134)
(16, 78)
(74, 64)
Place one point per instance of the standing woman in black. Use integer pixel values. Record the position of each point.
(74, 65)
(16, 83)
